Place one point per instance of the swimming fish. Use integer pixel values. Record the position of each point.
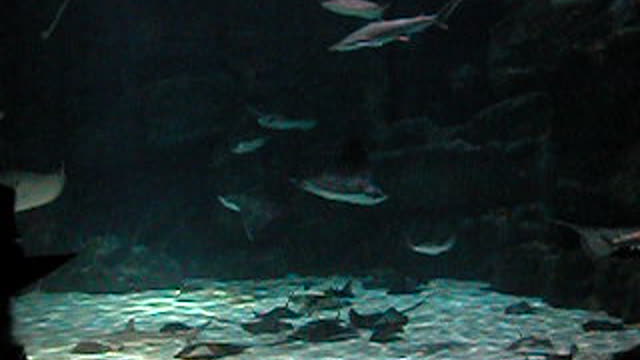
(34, 189)
(603, 242)
(248, 146)
(358, 8)
(432, 248)
(352, 189)
(281, 122)
(379, 33)
(256, 211)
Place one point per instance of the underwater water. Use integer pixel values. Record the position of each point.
(211, 148)
(459, 320)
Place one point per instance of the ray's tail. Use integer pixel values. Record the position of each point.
(445, 12)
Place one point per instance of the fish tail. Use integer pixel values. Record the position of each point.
(445, 11)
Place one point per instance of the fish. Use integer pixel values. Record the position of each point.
(352, 189)
(378, 319)
(266, 325)
(346, 291)
(379, 33)
(387, 332)
(181, 329)
(432, 248)
(281, 122)
(323, 330)
(94, 347)
(257, 211)
(249, 146)
(603, 242)
(131, 336)
(277, 313)
(34, 189)
(317, 301)
(209, 350)
(357, 8)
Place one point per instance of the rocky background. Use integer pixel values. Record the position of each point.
(523, 112)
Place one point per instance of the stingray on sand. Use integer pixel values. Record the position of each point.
(209, 350)
(323, 330)
(131, 336)
(257, 210)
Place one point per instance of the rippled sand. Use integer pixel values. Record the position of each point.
(460, 320)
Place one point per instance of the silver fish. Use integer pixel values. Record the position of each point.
(281, 122)
(248, 146)
(358, 8)
(228, 203)
(353, 190)
(34, 189)
(379, 33)
(433, 249)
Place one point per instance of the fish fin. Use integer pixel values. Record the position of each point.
(445, 11)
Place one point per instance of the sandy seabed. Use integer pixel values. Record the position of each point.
(459, 320)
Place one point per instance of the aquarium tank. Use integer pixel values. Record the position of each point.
(320, 179)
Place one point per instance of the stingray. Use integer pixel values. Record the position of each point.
(603, 242)
(316, 301)
(182, 329)
(257, 211)
(348, 180)
(278, 313)
(521, 308)
(34, 189)
(387, 333)
(391, 316)
(266, 325)
(132, 336)
(94, 347)
(345, 291)
(323, 330)
(209, 350)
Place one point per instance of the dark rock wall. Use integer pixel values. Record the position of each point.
(521, 112)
